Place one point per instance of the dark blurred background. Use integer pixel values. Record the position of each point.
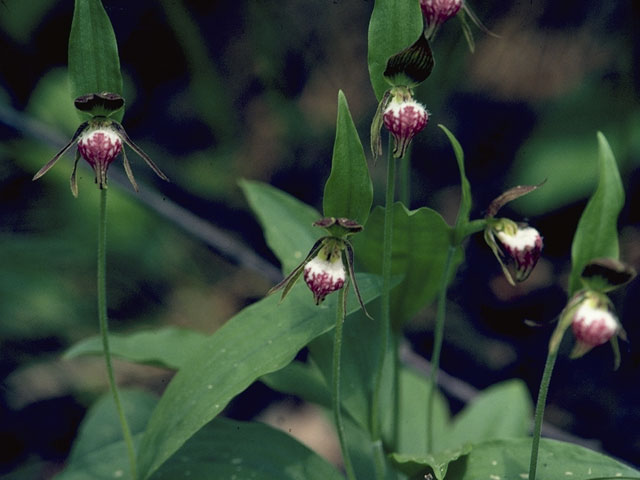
(222, 90)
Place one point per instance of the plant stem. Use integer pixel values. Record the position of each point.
(337, 408)
(437, 343)
(542, 400)
(104, 329)
(385, 303)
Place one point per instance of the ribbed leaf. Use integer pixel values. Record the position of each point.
(348, 192)
(94, 65)
(261, 339)
(394, 26)
(597, 232)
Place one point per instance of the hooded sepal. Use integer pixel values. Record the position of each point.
(412, 66)
(606, 274)
(103, 104)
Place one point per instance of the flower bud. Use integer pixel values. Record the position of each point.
(593, 324)
(436, 12)
(99, 145)
(404, 119)
(324, 275)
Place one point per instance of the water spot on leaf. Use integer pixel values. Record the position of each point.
(494, 477)
(236, 461)
(118, 474)
(209, 387)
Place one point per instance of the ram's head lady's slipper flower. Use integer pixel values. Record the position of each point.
(517, 248)
(404, 118)
(328, 266)
(99, 141)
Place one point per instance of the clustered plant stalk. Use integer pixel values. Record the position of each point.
(374, 421)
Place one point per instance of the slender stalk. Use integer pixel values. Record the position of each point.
(542, 400)
(385, 315)
(337, 408)
(437, 343)
(104, 329)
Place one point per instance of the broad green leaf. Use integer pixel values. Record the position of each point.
(99, 451)
(509, 459)
(597, 232)
(223, 449)
(94, 65)
(465, 188)
(168, 347)
(286, 222)
(503, 410)
(348, 192)
(420, 242)
(302, 380)
(437, 464)
(414, 392)
(228, 449)
(394, 25)
(262, 338)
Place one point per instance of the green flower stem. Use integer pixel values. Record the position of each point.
(104, 329)
(542, 400)
(337, 407)
(437, 343)
(385, 316)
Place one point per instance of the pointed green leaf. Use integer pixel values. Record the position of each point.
(166, 347)
(394, 26)
(228, 449)
(261, 339)
(302, 380)
(420, 244)
(286, 221)
(99, 452)
(597, 232)
(509, 459)
(348, 192)
(224, 449)
(94, 65)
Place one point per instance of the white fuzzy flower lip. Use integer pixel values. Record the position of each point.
(324, 277)
(593, 325)
(524, 238)
(404, 120)
(522, 247)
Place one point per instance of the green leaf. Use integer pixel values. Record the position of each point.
(414, 391)
(420, 242)
(167, 347)
(228, 449)
(302, 380)
(597, 232)
(99, 451)
(348, 192)
(418, 466)
(224, 449)
(262, 338)
(509, 459)
(286, 222)
(94, 65)
(465, 201)
(503, 410)
(394, 26)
